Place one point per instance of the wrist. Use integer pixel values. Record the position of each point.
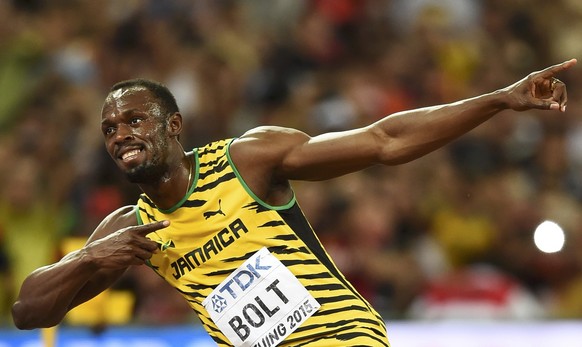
(499, 99)
(86, 260)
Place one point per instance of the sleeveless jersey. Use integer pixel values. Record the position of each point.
(220, 223)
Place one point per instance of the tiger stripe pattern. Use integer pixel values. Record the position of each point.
(220, 223)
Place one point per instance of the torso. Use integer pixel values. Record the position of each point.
(222, 223)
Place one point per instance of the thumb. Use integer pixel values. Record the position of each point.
(544, 104)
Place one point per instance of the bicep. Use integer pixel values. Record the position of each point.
(333, 154)
(294, 155)
(121, 218)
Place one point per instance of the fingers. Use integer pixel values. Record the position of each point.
(145, 229)
(555, 69)
(147, 244)
(135, 237)
(146, 247)
(547, 91)
(559, 94)
(143, 255)
(138, 251)
(125, 247)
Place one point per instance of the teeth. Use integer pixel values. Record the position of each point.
(130, 154)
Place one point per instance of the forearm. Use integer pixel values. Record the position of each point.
(48, 293)
(411, 134)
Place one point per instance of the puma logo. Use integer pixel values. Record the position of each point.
(209, 214)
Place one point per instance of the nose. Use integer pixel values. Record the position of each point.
(123, 133)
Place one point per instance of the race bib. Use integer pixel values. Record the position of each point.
(260, 303)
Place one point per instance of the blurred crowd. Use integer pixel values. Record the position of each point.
(448, 236)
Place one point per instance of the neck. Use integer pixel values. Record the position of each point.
(173, 186)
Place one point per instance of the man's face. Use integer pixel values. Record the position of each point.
(135, 134)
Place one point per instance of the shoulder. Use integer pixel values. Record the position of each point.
(260, 156)
(265, 148)
(269, 131)
(267, 140)
(121, 218)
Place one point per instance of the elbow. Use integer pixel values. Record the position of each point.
(19, 317)
(389, 149)
(22, 320)
(27, 319)
(400, 152)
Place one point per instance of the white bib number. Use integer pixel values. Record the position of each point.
(260, 303)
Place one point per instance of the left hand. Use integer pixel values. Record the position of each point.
(540, 90)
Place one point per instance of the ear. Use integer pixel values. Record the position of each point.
(175, 124)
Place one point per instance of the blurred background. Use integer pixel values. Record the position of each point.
(448, 236)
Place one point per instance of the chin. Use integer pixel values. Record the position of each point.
(135, 176)
(146, 173)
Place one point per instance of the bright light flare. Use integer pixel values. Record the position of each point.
(549, 237)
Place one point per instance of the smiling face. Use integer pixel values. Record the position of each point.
(136, 134)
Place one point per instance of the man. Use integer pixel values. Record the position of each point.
(221, 223)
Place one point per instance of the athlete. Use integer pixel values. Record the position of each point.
(221, 224)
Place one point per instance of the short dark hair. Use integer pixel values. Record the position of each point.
(160, 92)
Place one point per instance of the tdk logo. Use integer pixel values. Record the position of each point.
(260, 303)
(218, 303)
(243, 278)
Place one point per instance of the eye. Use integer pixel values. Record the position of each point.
(109, 130)
(135, 120)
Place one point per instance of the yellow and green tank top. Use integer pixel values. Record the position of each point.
(220, 223)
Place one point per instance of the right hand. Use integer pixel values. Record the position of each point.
(125, 247)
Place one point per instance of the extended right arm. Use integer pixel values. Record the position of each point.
(49, 292)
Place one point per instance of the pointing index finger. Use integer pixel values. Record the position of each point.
(151, 227)
(555, 69)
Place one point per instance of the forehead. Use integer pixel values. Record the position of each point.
(124, 99)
